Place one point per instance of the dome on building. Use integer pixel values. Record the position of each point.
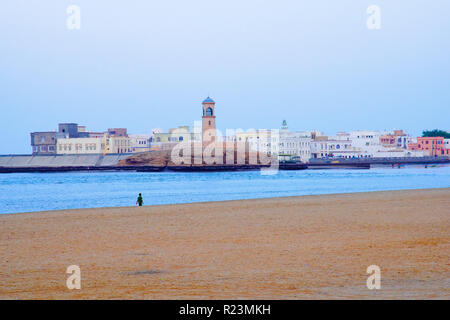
(208, 100)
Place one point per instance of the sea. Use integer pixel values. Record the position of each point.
(28, 192)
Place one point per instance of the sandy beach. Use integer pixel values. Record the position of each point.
(311, 247)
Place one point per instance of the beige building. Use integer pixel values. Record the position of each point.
(117, 144)
(80, 145)
(105, 145)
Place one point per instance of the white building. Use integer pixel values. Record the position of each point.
(366, 142)
(259, 140)
(140, 142)
(294, 145)
(319, 147)
(338, 146)
(390, 144)
(286, 144)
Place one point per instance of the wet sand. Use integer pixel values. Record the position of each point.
(312, 247)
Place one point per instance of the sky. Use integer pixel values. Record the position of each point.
(149, 64)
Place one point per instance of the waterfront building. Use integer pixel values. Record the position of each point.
(167, 140)
(338, 146)
(294, 145)
(365, 142)
(256, 140)
(43, 143)
(284, 144)
(362, 144)
(390, 144)
(117, 145)
(319, 147)
(74, 139)
(80, 145)
(432, 146)
(140, 142)
(207, 135)
(104, 145)
(396, 139)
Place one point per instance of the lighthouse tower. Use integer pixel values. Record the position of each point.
(208, 122)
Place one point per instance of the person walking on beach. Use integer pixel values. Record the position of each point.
(139, 200)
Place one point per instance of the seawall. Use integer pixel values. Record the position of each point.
(55, 161)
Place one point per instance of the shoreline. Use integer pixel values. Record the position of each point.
(300, 247)
(219, 201)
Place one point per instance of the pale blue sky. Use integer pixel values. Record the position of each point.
(146, 64)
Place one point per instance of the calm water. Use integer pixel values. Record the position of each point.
(24, 192)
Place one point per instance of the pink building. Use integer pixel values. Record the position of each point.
(434, 146)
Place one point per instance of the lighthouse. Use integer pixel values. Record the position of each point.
(208, 122)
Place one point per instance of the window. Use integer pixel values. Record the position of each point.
(209, 112)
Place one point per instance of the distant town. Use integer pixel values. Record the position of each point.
(75, 139)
